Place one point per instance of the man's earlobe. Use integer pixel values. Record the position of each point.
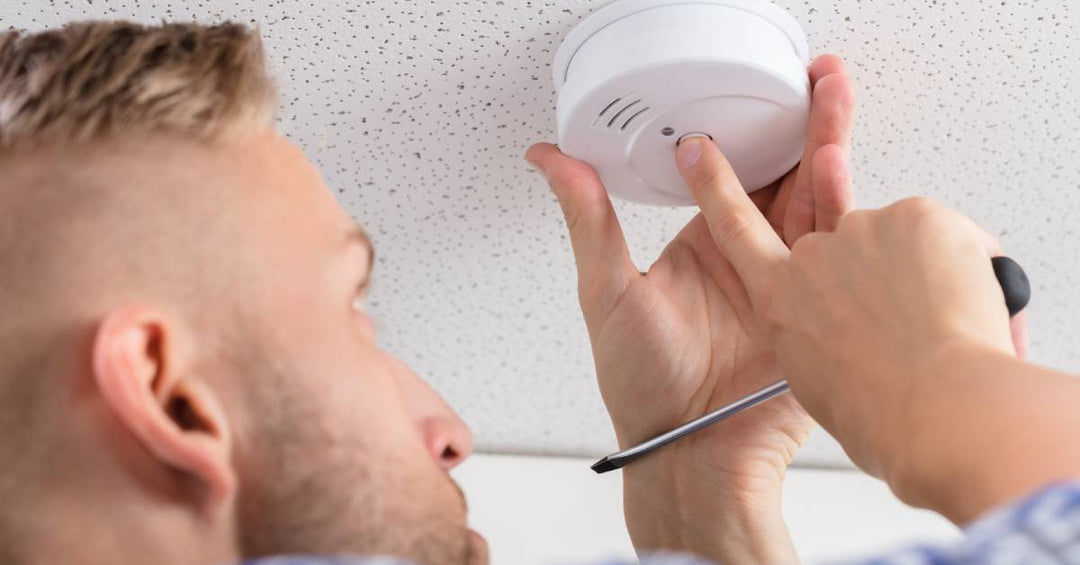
(140, 368)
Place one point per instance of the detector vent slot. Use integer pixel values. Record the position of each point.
(609, 106)
(619, 113)
(626, 124)
(623, 110)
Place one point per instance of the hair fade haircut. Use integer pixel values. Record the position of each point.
(89, 80)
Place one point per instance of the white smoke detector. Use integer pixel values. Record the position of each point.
(637, 75)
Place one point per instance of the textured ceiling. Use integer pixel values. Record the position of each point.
(418, 113)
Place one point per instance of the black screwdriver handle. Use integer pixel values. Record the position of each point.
(1014, 283)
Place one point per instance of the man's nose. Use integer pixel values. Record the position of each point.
(448, 440)
(446, 437)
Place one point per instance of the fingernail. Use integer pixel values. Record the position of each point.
(689, 149)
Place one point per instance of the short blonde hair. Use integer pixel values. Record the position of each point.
(85, 82)
(101, 79)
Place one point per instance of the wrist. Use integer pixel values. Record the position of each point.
(672, 504)
(934, 458)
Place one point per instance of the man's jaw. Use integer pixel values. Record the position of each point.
(478, 549)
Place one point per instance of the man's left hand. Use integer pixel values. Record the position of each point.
(681, 340)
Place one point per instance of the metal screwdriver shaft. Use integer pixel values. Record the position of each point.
(622, 458)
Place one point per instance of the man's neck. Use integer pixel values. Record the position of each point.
(100, 527)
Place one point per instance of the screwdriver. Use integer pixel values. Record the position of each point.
(1014, 284)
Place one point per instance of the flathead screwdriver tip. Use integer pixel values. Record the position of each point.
(604, 465)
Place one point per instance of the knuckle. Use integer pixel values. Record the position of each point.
(918, 209)
(809, 254)
(808, 247)
(986, 240)
(855, 220)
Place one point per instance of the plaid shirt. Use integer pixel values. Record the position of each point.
(1043, 529)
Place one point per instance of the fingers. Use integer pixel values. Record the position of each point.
(831, 120)
(798, 219)
(1018, 327)
(740, 231)
(826, 65)
(603, 260)
(833, 195)
(826, 197)
(1018, 324)
(832, 113)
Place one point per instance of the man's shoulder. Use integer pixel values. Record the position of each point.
(1042, 528)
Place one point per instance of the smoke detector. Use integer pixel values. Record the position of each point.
(637, 75)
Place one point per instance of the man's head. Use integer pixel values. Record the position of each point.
(184, 355)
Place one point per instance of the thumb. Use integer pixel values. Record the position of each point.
(603, 259)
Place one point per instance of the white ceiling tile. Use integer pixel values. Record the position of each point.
(418, 113)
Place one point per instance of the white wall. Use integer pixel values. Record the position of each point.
(537, 510)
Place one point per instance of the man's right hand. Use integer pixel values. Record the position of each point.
(867, 321)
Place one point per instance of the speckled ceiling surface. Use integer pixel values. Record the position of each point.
(418, 112)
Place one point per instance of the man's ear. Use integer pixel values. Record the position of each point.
(140, 363)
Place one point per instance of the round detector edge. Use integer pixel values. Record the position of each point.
(620, 9)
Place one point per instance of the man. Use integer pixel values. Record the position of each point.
(187, 374)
